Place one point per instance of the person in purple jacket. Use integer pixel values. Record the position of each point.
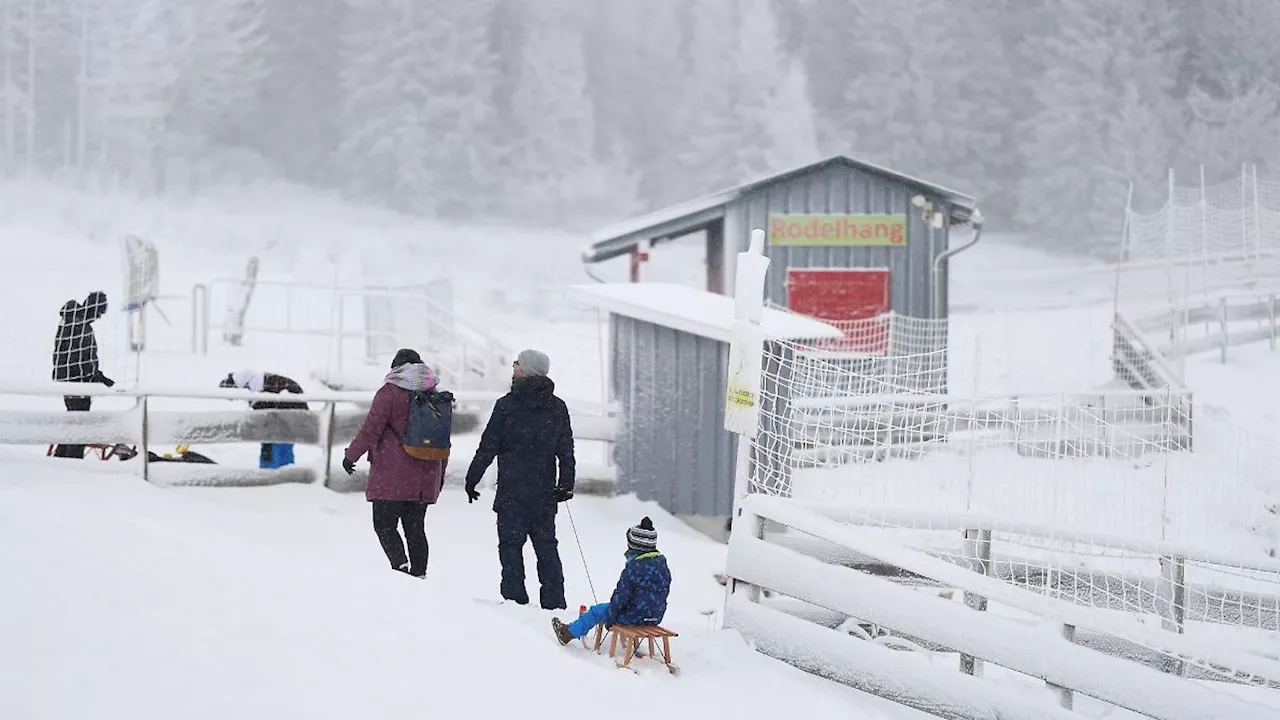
(400, 486)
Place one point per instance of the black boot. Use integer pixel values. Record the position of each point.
(562, 631)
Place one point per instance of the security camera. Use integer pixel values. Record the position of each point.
(918, 201)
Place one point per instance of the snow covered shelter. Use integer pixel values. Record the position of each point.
(669, 358)
(848, 240)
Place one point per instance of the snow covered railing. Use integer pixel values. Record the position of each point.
(154, 423)
(1043, 649)
(837, 429)
(1139, 360)
(380, 318)
(1225, 320)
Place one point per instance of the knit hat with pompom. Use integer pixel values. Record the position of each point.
(642, 537)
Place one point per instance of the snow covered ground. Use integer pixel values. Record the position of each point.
(124, 600)
(273, 602)
(1243, 390)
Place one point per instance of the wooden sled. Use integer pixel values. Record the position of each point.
(631, 637)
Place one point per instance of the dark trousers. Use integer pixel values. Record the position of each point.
(387, 514)
(514, 527)
(74, 404)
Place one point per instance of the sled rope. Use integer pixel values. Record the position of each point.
(581, 554)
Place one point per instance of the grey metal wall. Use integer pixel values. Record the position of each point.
(672, 448)
(841, 189)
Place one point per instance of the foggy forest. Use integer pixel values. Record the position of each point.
(571, 112)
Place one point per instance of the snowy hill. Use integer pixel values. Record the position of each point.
(124, 600)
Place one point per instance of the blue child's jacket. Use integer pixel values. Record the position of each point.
(641, 595)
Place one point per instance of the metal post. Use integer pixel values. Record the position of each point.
(1222, 323)
(195, 321)
(1204, 239)
(200, 319)
(1066, 697)
(330, 412)
(1271, 313)
(1124, 244)
(1244, 208)
(715, 252)
(341, 327)
(637, 259)
(31, 87)
(1168, 243)
(1257, 224)
(145, 449)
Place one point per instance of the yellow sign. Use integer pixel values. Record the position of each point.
(741, 397)
(788, 230)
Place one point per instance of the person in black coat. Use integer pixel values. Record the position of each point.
(529, 433)
(75, 356)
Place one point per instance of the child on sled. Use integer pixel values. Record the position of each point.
(640, 597)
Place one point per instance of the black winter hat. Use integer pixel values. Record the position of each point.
(642, 537)
(406, 356)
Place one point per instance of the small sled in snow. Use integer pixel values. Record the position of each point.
(632, 637)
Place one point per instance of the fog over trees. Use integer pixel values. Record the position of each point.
(573, 112)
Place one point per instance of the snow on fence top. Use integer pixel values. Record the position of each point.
(694, 311)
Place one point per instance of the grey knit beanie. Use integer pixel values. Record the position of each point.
(534, 363)
(642, 537)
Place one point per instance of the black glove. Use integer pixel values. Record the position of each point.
(472, 494)
(98, 377)
(349, 466)
(563, 494)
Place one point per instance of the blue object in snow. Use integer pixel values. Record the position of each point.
(275, 455)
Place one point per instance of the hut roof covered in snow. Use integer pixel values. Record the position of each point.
(698, 312)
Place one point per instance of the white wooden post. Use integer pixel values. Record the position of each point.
(1066, 697)
(1172, 605)
(979, 542)
(742, 391)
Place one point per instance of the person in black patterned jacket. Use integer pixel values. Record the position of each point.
(75, 356)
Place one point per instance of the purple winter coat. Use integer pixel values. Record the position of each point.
(393, 473)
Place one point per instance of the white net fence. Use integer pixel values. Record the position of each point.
(1082, 494)
(1210, 248)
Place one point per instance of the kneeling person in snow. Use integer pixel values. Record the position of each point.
(271, 455)
(641, 595)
